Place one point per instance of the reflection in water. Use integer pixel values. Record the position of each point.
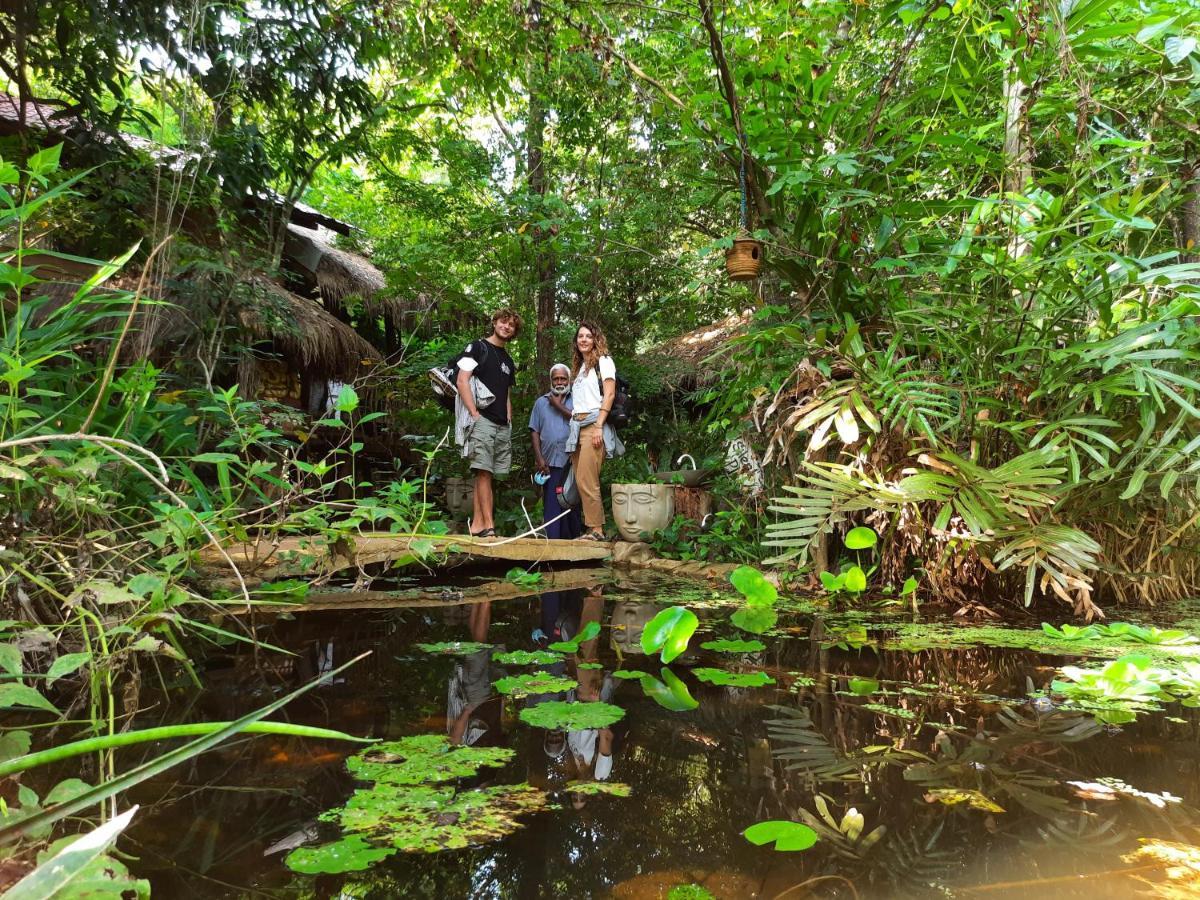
(934, 776)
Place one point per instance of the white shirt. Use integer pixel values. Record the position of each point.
(585, 392)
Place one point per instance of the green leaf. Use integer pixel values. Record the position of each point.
(44, 161)
(527, 658)
(863, 687)
(670, 693)
(12, 695)
(856, 580)
(739, 646)
(350, 854)
(347, 400)
(723, 678)
(1178, 48)
(669, 631)
(146, 583)
(567, 716)
(14, 744)
(67, 789)
(65, 665)
(533, 683)
(54, 876)
(755, 619)
(590, 631)
(861, 538)
(754, 586)
(783, 834)
(909, 586)
(11, 660)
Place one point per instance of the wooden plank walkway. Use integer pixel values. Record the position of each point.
(311, 557)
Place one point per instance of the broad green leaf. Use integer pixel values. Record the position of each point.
(54, 876)
(856, 580)
(347, 400)
(754, 586)
(11, 659)
(65, 665)
(783, 834)
(722, 678)
(755, 619)
(729, 646)
(14, 695)
(670, 693)
(350, 854)
(861, 538)
(566, 716)
(669, 631)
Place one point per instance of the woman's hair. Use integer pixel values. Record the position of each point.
(599, 349)
(501, 314)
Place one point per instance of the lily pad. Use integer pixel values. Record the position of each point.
(565, 716)
(670, 693)
(453, 648)
(423, 759)
(733, 679)
(958, 796)
(753, 585)
(533, 683)
(528, 658)
(755, 619)
(783, 834)
(737, 646)
(350, 854)
(590, 630)
(669, 631)
(588, 665)
(628, 674)
(591, 788)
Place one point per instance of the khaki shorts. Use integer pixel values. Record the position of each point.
(491, 446)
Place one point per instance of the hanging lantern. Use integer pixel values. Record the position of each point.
(744, 259)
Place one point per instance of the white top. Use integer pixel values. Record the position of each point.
(585, 392)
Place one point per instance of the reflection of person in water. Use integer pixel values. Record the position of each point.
(472, 712)
(591, 748)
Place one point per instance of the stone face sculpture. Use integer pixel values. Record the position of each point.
(629, 620)
(460, 496)
(639, 508)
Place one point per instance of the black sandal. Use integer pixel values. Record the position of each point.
(597, 536)
(487, 532)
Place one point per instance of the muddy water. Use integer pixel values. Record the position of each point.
(872, 746)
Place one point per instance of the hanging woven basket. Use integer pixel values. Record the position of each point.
(744, 259)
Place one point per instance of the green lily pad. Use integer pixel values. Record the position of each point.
(738, 646)
(423, 759)
(628, 674)
(590, 630)
(669, 631)
(528, 658)
(670, 693)
(733, 679)
(533, 683)
(753, 585)
(350, 854)
(589, 665)
(565, 716)
(755, 619)
(453, 648)
(783, 834)
(591, 788)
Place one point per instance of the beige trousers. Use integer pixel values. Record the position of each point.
(587, 461)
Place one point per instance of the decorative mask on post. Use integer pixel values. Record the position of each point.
(639, 508)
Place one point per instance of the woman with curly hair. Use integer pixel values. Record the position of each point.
(592, 439)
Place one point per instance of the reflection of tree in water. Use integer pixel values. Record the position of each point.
(1004, 770)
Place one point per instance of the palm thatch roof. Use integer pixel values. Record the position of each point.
(686, 362)
(337, 273)
(306, 332)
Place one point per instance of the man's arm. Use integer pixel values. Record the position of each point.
(539, 461)
(558, 404)
(463, 383)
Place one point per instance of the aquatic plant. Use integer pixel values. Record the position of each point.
(1144, 634)
(528, 658)
(593, 788)
(423, 759)
(589, 665)
(723, 678)
(755, 619)
(689, 892)
(517, 575)
(734, 646)
(784, 834)
(453, 648)
(587, 633)
(753, 586)
(533, 683)
(669, 632)
(571, 716)
(628, 674)
(670, 693)
(1116, 692)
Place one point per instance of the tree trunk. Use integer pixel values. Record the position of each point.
(535, 135)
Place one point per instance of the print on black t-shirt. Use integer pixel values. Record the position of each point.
(498, 372)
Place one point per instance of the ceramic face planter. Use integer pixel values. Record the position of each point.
(629, 620)
(639, 508)
(460, 495)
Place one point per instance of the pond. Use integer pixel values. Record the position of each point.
(922, 767)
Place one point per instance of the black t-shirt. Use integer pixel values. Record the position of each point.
(498, 372)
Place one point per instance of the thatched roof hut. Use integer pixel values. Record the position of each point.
(692, 360)
(338, 274)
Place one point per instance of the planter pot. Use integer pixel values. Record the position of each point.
(460, 497)
(639, 508)
(744, 259)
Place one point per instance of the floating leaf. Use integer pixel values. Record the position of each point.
(728, 646)
(861, 538)
(669, 631)
(783, 834)
(589, 631)
(533, 683)
(733, 679)
(350, 854)
(566, 716)
(754, 586)
(670, 693)
(755, 619)
(423, 759)
(589, 665)
(454, 648)
(955, 796)
(592, 788)
(629, 674)
(528, 658)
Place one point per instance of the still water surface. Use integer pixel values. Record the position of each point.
(926, 772)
